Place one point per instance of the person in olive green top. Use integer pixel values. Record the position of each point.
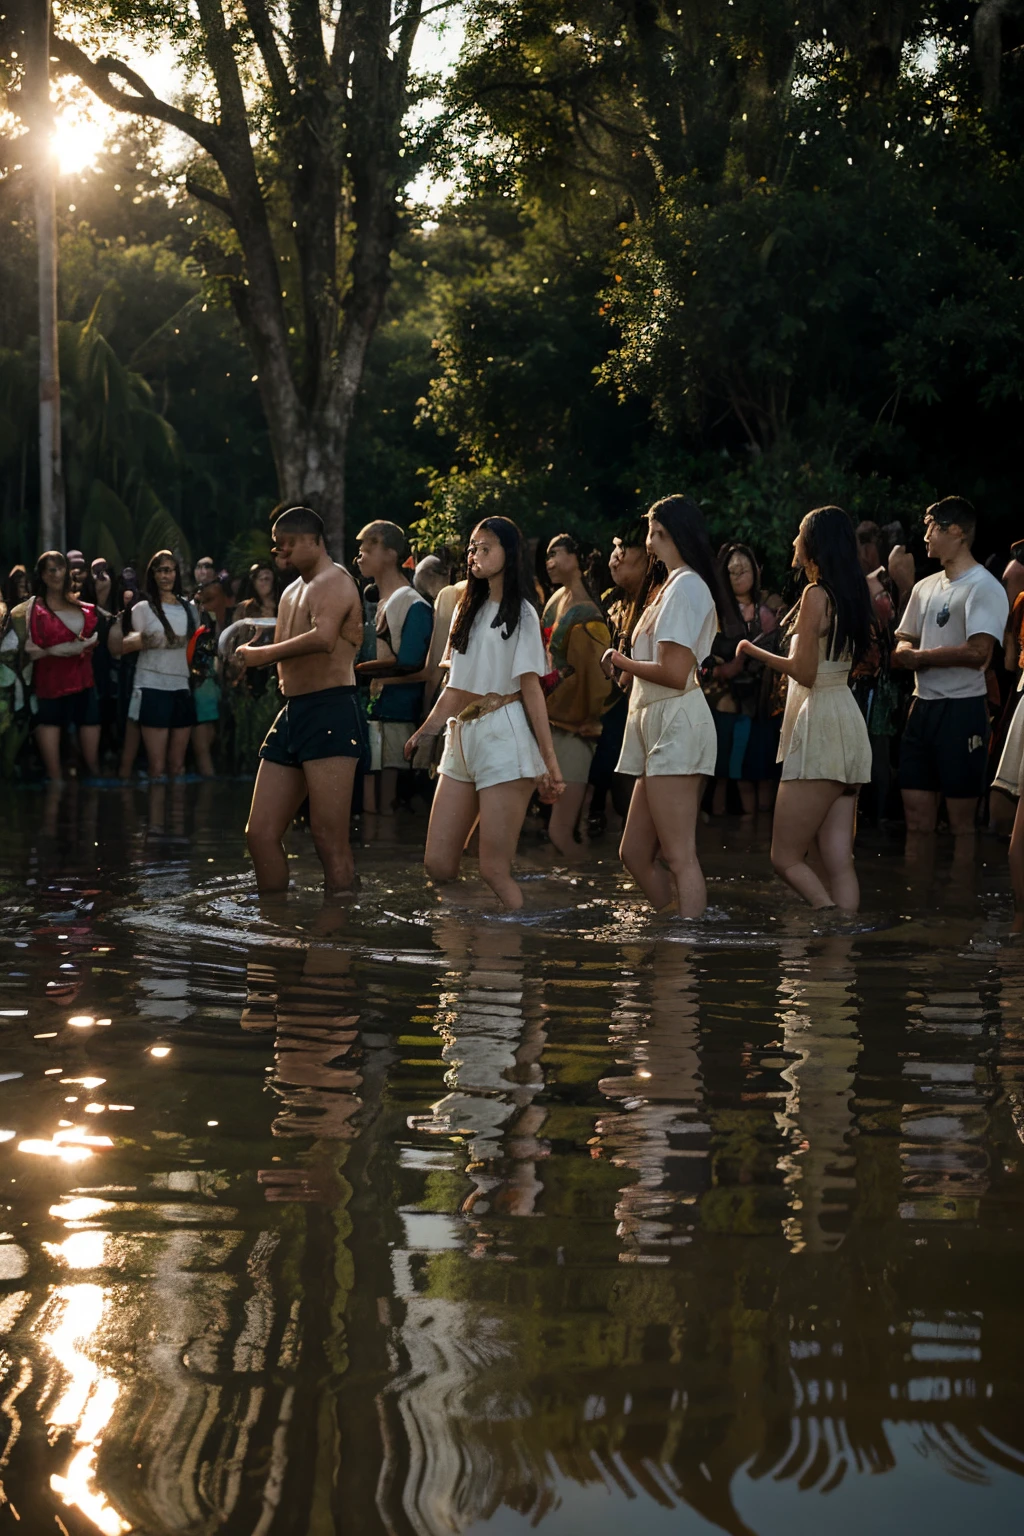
(578, 693)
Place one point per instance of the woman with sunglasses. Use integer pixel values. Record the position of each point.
(824, 750)
(163, 693)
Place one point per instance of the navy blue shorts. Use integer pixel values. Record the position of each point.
(328, 723)
(78, 709)
(166, 709)
(945, 747)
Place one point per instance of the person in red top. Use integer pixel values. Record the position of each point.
(61, 636)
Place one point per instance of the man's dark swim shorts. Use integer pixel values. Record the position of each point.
(328, 723)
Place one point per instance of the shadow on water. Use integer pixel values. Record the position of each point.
(397, 1216)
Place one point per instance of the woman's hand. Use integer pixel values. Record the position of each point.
(745, 648)
(612, 661)
(416, 738)
(550, 785)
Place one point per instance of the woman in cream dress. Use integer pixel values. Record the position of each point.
(824, 750)
(670, 742)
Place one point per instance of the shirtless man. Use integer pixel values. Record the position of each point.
(317, 741)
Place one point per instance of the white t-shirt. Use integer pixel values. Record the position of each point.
(493, 665)
(164, 667)
(684, 613)
(943, 612)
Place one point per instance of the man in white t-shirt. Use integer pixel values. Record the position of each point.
(946, 635)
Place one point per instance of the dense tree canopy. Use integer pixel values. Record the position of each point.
(771, 252)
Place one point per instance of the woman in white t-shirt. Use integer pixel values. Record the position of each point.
(163, 693)
(670, 742)
(498, 742)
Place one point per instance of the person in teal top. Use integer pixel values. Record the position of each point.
(403, 626)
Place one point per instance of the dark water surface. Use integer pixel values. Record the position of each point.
(403, 1217)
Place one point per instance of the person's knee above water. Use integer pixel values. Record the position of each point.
(945, 637)
(669, 745)
(403, 626)
(578, 692)
(498, 742)
(824, 747)
(318, 738)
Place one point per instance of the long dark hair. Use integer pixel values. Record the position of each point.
(39, 588)
(15, 574)
(683, 521)
(831, 544)
(517, 586)
(725, 554)
(156, 602)
(247, 591)
(591, 563)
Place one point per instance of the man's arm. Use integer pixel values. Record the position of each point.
(977, 654)
(329, 600)
(408, 665)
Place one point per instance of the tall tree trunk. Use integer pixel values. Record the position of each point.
(39, 114)
(324, 191)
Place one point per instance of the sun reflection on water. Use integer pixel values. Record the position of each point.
(74, 1319)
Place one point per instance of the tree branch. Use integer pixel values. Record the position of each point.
(207, 195)
(262, 30)
(444, 5)
(99, 76)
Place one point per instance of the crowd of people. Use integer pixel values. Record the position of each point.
(651, 684)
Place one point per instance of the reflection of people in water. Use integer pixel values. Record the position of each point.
(308, 998)
(659, 1129)
(818, 1014)
(493, 1044)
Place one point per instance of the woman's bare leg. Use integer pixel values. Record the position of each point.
(48, 742)
(800, 811)
(89, 743)
(502, 813)
(638, 850)
(202, 742)
(1017, 867)
(176, 749)
(155, 740)
(835, 845)
(130, 749)
(565, 813)
(674, 801)
(452, 816)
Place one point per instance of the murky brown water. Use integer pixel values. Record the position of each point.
(408, 1218)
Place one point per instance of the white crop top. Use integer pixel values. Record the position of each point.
(684, 613)
(493, 665)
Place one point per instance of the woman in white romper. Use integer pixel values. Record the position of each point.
(498, 741)
(670, 742)
(825, 751)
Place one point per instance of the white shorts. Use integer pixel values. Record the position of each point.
(387, 743)
(671, 735)
(494, 749)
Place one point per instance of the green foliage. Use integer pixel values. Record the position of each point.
(794, 253)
